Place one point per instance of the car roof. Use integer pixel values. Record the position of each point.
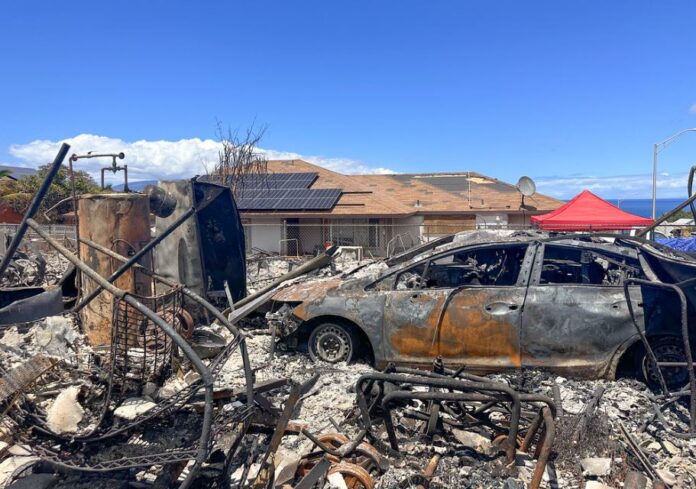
(607, 242)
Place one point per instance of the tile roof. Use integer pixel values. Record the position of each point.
(401, 195)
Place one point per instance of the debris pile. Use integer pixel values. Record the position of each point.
(435, 444)
(31, 268)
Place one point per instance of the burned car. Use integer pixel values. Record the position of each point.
(495, 301)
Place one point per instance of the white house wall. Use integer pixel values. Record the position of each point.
(265, 234)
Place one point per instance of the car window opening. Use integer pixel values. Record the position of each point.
(563, 265)
(499, 266)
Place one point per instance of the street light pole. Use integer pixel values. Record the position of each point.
(657, 147)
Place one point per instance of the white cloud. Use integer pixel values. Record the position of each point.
(619, 186)
(162, 159)
(692, 109)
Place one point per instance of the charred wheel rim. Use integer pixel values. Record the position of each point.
(674, 376)
(332, 344)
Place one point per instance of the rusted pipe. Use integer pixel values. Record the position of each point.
(315, 263)
(429, 471)
(544, 449)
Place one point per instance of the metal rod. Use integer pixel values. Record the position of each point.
(248, 373)
(654, 183)
(34, 207)
(206, 377)
(657, 147)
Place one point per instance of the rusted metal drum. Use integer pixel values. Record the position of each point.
(120, 222)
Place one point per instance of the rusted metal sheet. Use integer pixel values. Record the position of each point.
(481, 327)
(121, 223)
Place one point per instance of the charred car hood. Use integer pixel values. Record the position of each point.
(316, 289)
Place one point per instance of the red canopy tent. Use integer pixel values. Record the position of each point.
(588, 212)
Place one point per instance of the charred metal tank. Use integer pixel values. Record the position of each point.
(120, 222)
(207, 250)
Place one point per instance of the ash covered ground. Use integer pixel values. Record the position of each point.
(594, 455)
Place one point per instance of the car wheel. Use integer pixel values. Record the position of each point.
(666, 349)
(332, 343)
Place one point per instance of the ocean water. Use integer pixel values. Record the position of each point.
(643, 207)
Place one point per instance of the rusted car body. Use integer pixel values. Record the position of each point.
(492, 301)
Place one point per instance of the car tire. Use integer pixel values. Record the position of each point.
(331, 343)
(666, 349)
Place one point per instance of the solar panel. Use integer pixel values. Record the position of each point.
(288, 199)
(278, 180)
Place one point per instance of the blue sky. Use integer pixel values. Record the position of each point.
(573, 94)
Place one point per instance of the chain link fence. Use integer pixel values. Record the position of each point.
(369, 239)
(62, 232)
(377, 239)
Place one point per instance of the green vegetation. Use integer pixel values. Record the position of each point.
(17, 194)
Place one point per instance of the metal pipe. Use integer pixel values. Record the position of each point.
(197, 363)
(654, 183)
(248, 373)
(544, 449)
(34, 207)
(685, 338)
(448, 383)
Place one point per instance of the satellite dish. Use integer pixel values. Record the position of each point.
(526, 186)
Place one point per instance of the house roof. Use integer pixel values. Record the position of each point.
(586, 211)
(402, 195)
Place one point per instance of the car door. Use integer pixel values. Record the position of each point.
(410, 313)
(464, 305)
(576, 315)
